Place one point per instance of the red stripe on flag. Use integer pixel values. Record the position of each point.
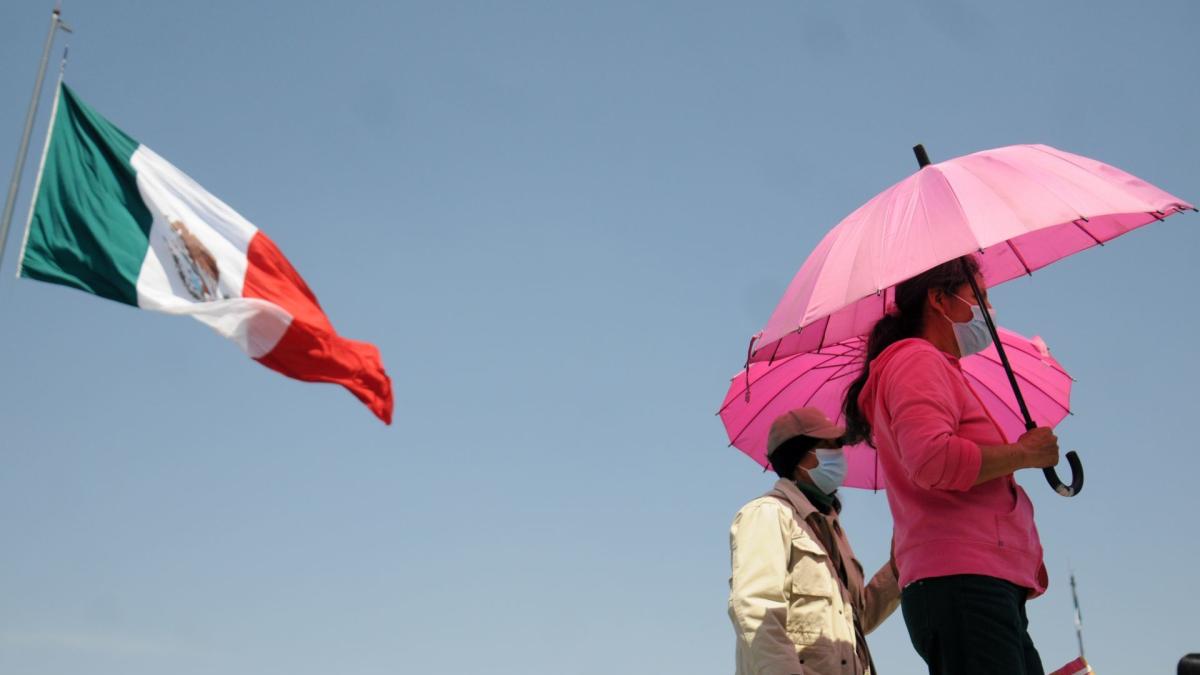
(311, 350)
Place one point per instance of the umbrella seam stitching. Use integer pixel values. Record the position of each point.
(777, 394)
(1091, 171)
(1054, 365)
(962, 213)
(1042, 185)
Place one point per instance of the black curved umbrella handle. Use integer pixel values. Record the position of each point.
(1076, 477)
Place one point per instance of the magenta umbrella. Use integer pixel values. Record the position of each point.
(819, 379)
(1018, 208)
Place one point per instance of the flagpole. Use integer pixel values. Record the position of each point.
(37, 183)
(14, 185)
(1078, 615)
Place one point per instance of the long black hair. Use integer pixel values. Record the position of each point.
(905, 321)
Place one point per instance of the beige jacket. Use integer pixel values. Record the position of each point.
(792, 614)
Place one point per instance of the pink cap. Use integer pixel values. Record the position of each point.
(801, 422)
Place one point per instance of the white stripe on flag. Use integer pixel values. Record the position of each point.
(196, 263)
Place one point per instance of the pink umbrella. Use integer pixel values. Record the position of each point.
(819, 379)
(1019, 208)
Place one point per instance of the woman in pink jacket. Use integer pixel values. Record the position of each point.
(966, 544)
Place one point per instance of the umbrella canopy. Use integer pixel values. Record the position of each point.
(819, 379)
(1019, 208)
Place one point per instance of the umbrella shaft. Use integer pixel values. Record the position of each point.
(1012, 378)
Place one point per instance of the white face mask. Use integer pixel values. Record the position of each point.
(972, 336)
(830, 471)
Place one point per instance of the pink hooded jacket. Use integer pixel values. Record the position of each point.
(928, 426)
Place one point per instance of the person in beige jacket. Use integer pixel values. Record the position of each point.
(797, 595)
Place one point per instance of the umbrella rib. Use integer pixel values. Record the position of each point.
(743, 374)
(1024, 379)
(838, 376)
(1058, 369)
(999, 396)
(1001, 197)
(1020, 257)
(1085, 231)
(846, 371)
(808, 400)
(962, 213)
(1018, 348)
(1008, 345)
(1110, 184)
(777, 394)
(1044, 188)
(775, 351)
(1021, 377)
(823, 364)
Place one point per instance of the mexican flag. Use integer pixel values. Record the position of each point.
(112, 218)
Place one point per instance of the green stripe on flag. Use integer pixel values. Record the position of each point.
(89, 227)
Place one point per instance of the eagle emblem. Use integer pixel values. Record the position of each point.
(195, 264)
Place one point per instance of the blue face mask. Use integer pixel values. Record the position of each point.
(830, 470)
(972, 336)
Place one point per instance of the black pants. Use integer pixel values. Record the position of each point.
(970, 625)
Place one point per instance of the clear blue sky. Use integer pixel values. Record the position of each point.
(560, 222)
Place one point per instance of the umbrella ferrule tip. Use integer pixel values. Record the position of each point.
(922, 156)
